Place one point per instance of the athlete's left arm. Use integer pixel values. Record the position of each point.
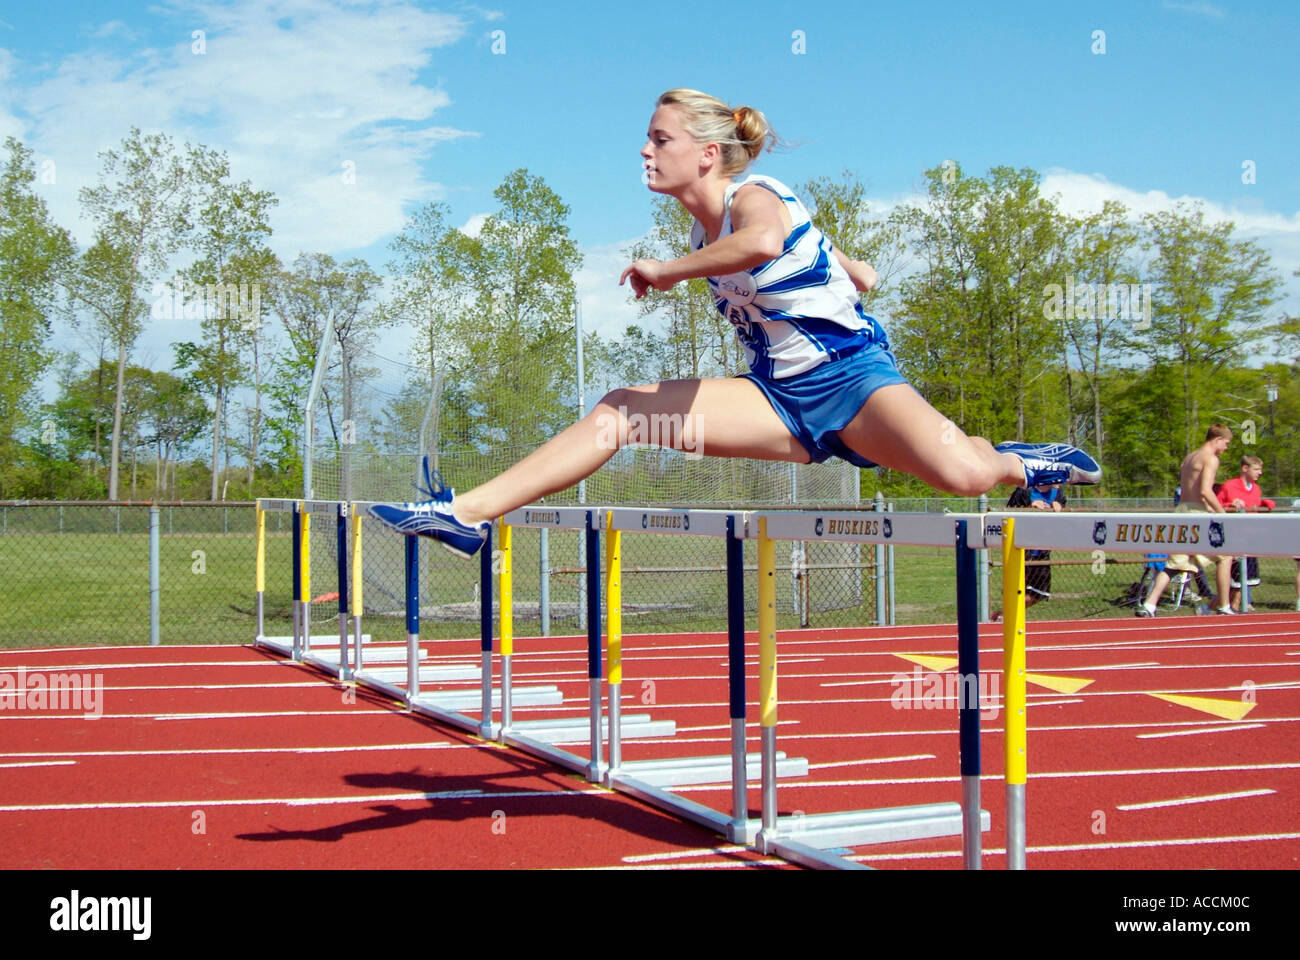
(758, 235)
(862, 274)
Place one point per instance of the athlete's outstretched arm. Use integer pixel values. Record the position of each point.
(758, 235)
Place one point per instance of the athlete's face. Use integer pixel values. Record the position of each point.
(1252, 472)
(671, 156)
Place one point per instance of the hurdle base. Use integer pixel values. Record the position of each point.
(688, 771)
(707, 817)
(284, 645)
(428, 674)
(578, 729)
(547, 695)
(545, 751)
(810, 840)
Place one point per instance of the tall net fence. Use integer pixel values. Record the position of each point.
(377, 418)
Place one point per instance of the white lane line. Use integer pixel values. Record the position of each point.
(720, 865)
(305, 801)
(199, 716)
(1184, 801)
(858, 763)
(682, 854)
(997, 777)
(48, 763)
(1192, 733)
(1042, 703)
(74, 667)
(218, 751)
(1071, 847)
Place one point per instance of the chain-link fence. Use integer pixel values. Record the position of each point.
(79, 574)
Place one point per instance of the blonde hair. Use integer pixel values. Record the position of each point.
(740, 132)
(1251, 461)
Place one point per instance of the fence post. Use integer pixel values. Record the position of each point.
(889, 567)
(544, 581)
(982, 583)
(880, 568)
(154, 615)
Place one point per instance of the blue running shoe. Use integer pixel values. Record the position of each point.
(433, 518)
(1053, 463)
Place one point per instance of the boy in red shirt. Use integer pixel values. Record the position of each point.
(1241, 494)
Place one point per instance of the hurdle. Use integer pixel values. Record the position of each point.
(652, 780)
(407, 683)
(809, 839)
(325, 651)
(1212, 534)
(543, 737)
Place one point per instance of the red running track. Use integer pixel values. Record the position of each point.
(227, 757)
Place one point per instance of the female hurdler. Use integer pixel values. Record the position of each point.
(822, 380)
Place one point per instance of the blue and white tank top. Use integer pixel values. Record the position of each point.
(796, 311)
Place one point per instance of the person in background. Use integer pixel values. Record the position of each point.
(1196, 483)
(1241, 494)
(1038, 570)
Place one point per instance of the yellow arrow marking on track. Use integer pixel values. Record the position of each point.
(1224, 709)
(934, 663)
(1059, 684)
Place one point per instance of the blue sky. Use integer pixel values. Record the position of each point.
(416, 98)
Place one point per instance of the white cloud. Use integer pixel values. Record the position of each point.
(1199, 8)
(608, 308)
(290, 89)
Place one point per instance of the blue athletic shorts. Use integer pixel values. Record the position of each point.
(817, 404)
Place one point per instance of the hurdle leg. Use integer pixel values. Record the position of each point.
(357, 579)
(736, 683)
(1013, 685)
(485, 635)
(614, 643)
(306, 584)
(345, 672)
(412, 618)
(506, 597)
(593, 648)
(297, 582)
(968, 670)
(767, 681)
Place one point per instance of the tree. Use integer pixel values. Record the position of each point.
(140, 208)
(304, 297)
(1100, 261)
(497, 311)
(703, 343)
(34, 256)
(232, 266)
(1209, 302)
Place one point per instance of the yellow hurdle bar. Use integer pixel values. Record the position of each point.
(505, 590)
(614, 638)
(767, 673)
(504, 561)
(306, 578)
(1013, 685)
(357, 581)
(613, 599)
(261, 569)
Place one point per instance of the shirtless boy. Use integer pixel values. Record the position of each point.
(1197, 480)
